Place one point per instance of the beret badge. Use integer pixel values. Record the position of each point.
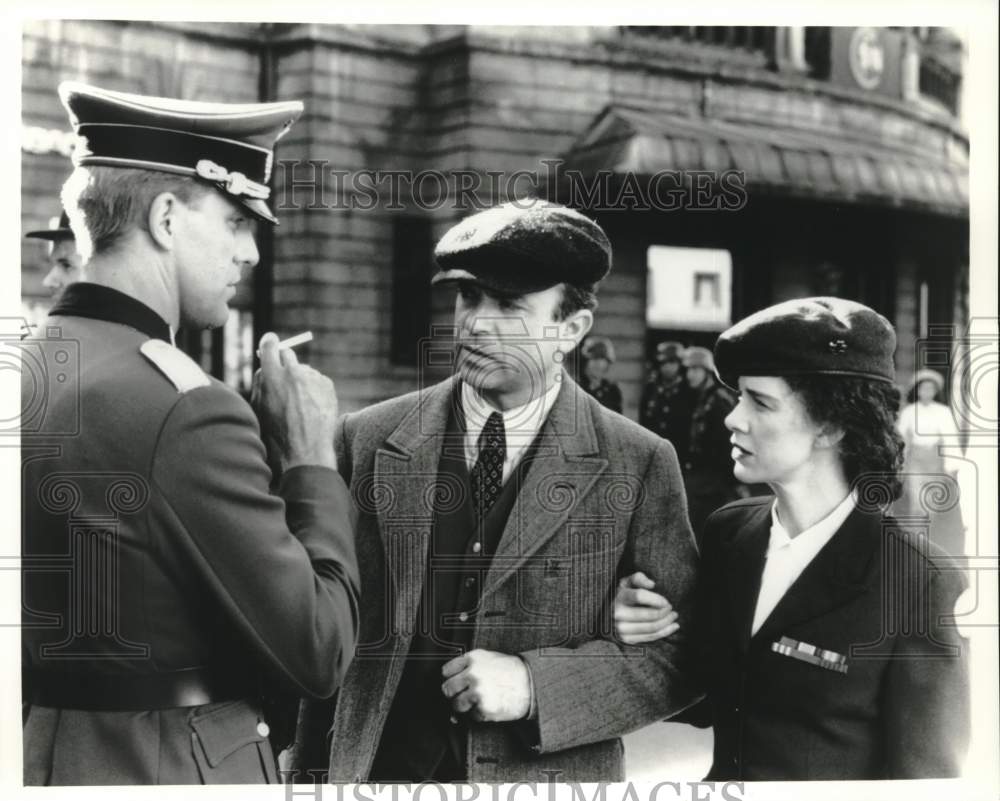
(837, 346)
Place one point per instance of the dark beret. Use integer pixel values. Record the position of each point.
(524, 247)
(808, 336)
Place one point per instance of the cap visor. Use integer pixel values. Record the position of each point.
(51, 234)
(256, 207)
(504, 285)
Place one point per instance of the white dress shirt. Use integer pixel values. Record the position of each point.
(521, 425)
(788, 556)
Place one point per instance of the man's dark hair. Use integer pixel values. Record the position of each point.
(871, 450)
(575, 298)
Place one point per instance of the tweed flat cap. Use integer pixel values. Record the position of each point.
(229, 145)
(520, 247)
(670, 352)
(57, 231)
(808, 336)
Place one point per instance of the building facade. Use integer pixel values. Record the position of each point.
(732, 167)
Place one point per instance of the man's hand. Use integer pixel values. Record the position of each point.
(640, 614)
(490, 686)
(297, 408)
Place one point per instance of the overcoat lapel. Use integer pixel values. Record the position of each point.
(841, 571)
(744, 565)
(403, 491)
(565, 468)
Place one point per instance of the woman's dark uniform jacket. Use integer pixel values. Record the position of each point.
(895, 707)
(164, 585)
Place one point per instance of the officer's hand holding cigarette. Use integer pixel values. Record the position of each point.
(296, 405)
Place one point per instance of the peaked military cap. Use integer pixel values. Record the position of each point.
(808, 336)
(57, 231)
(524, 246)
(229, 145)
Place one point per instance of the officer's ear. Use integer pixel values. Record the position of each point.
(162, 221)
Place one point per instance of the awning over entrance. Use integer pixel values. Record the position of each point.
(624, 140)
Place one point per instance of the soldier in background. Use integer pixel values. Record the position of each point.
(666, 399)
(64, 260)
(598, 356)
(708, 468)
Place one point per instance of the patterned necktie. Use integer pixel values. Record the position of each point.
(487, 474)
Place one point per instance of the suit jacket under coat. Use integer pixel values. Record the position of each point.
(875, 594)
(602, 498)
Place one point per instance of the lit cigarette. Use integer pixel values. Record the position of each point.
(294, 342)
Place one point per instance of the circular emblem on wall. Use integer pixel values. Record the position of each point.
(866, 56)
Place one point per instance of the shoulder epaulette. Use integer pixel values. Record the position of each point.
(179, 368)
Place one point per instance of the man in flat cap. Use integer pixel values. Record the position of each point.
(166, 591)
(828, 644)
(497, 511)
(64, 260)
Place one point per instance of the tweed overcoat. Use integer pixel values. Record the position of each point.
(603, 498)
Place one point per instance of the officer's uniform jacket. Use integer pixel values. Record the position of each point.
(858, 673)
(158, 565)
(602, 498)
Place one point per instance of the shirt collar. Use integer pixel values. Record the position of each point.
(99, 302)
(820, 531)
(521, 423)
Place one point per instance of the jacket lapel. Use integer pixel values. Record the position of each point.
(403, 491)
(744, 564)
(565, 467)
(839, 572)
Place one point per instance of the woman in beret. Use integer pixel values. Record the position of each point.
(825, 643)
(930, 486)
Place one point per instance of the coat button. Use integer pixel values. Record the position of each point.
(463, 617)
(477, 547)
(453, 720)
(263, 729)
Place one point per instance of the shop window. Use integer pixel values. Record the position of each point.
(412, 264)
(689, 288)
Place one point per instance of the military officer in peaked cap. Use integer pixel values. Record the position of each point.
(64, 260)
(497, 510)
(166, 590)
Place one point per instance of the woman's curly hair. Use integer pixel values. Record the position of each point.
(871, 449)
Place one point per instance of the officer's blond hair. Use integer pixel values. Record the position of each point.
(106, 203)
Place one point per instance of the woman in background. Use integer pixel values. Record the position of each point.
(930, 486)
